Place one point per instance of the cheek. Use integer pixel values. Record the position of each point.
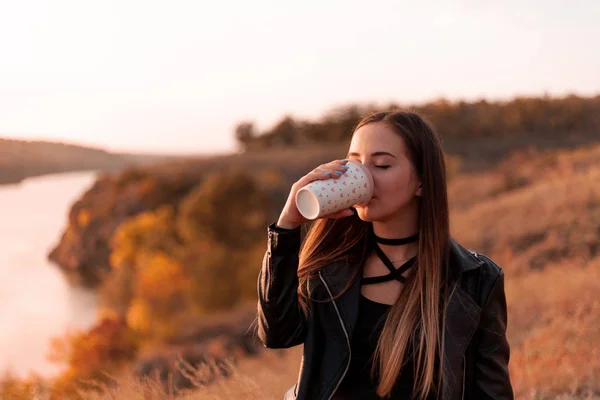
(394, 186)
(393, 191)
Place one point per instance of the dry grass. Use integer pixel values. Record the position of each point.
(263, 378)
(554, 330)
(554, 216)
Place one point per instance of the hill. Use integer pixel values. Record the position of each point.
(20, 159)
(536, 213)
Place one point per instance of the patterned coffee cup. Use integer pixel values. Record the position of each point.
(323, 197)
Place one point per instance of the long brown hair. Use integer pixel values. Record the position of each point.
(415, 323)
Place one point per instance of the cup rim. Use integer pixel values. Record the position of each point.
(298, 193)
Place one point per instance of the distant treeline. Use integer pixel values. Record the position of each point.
(481, 119)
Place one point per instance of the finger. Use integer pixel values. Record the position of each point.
(336, 165)
(311, 177)
(341, 214)
(326, 171)
(336, 169)
(321, 173)
(339, 162)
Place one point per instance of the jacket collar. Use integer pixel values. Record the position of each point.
(461, 260)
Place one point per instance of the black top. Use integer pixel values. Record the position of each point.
(358, 382)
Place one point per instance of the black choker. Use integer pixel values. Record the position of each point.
(395, 242)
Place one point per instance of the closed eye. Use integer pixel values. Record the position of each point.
(382, 166)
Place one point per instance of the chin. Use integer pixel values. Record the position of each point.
(374, 212)
(367, 213)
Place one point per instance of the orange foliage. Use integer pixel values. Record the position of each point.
(90, 355)
(227, 208)
(31, 388)
(150, 230)
(160, 277)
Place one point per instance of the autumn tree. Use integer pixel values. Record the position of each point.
(228, 209)
(244, 134)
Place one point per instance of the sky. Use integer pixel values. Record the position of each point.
(177, 76)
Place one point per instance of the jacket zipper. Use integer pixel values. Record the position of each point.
(464, 377)
(345, 333)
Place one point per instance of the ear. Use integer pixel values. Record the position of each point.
(419, 191)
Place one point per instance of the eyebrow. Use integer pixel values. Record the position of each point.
(377, 153)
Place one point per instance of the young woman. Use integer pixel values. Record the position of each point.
(386, 303)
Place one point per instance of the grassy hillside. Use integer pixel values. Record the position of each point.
(537, 213)
(544, 231)
(20, 159)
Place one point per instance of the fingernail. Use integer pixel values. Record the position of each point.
(344, 160)
(327, 173)
(345, 167)
(339, 172)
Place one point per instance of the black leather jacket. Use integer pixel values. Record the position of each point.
(475, 345)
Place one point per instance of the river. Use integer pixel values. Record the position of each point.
(36, 302)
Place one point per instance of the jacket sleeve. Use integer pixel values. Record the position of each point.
(492, 379)
(281, 322)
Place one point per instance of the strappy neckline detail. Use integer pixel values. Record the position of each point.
(393, 274)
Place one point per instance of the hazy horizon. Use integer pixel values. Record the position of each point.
(158, 77)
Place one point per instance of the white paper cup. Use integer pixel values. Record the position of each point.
(323, 197)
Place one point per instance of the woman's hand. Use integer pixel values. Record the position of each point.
(290, 216)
